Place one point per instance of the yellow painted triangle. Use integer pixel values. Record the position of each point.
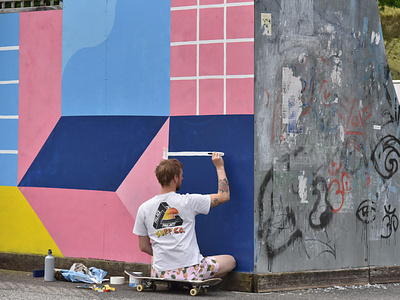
(21, 229)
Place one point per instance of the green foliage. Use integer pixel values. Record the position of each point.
(388, 3)
(390, 22)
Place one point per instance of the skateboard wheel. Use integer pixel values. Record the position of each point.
(139, 288)
(193, 292)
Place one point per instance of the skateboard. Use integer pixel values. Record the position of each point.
(195, 286)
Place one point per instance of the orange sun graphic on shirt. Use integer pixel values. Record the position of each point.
(170, 214)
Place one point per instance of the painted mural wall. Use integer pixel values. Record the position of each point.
(327, 138)
(94, 93)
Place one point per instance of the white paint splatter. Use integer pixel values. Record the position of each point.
(336, 74)
(341, 129)
(329, 28)
(303, 188)
(375, 37)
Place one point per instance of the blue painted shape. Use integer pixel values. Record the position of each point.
(85, 24)
(138, 58)
(128, 72)
(229, 228)
(9, 99)
(93, 153)
(10, 30)
(9, 62)
(83, 83)
(8, 134)
(8, 170)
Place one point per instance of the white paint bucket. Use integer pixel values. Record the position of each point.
(117, 280)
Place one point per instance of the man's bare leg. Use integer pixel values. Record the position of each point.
(226, 264)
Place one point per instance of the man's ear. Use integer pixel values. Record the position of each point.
(176, 178)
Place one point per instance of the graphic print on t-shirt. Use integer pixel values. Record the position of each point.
(166, 216)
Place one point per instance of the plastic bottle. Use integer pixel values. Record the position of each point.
(49, 267)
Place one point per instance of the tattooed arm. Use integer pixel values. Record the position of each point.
(223, 184)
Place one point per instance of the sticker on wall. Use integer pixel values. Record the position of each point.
(266, 23)
(291, 100)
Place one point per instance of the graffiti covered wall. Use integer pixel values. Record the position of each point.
(327, 137)
(95, 93)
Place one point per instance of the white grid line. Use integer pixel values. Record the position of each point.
(9, 117)
(224, 57)
(9, 48)
(199, 42)
(9, 82)
(8, 151)
(198, 60)
(198, 6)
(205, 42)
(212, 77)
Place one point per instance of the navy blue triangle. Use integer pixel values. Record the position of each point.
(92, 152)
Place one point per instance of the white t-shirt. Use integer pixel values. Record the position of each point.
(169, 221)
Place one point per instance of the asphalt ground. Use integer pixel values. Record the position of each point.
(22, 285)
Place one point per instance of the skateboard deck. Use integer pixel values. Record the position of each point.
(195, 286)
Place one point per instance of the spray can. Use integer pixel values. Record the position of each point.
(49, 267)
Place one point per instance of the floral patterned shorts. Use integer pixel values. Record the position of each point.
(207, 268)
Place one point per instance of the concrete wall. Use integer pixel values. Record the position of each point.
(94, 93)
(326, 144)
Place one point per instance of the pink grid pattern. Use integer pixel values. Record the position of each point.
(212, 57)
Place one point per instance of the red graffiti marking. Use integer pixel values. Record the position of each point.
(341, 190)
(266, 91)
(335, 170)
(326, 94)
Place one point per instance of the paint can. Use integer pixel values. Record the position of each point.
(117, 280)
(134, 282)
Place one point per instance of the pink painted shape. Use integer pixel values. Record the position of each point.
(240, 58)
(211, 59)
(39, 82)
(211, 96)
(178, 3)
(183, 25)
(243, 15)
(183, 61)
(240, 96)
(211, 23)
(141, 183)
(182, 97)
(237, 1)
(87, 224)
(208, 2)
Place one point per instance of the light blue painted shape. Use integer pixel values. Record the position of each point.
(9, 99)
(85, 24)
(126, 74)
(8, 170)
(9, 65)
(8, 134)
(9, 36)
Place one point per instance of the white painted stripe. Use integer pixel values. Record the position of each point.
(8, 151)
(205, 42)
(212, 6)
(9, 48)
(225, 57)
(9, 117)
(193, 153)
(9, 82)
(213, 77)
